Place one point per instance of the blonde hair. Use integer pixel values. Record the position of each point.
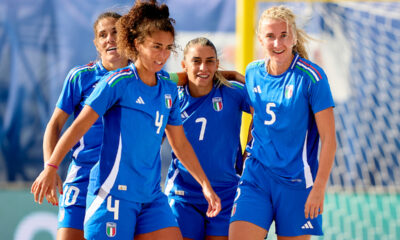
(219, 79)
(285, 14)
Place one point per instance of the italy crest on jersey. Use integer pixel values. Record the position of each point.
(217, 103)
(168, 100)
(289, 91)
(111, 229)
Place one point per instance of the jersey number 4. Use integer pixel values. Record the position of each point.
(159, 122)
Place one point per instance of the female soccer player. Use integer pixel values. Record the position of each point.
(293, 108)
(211, 110)
(78, 85)
(137, 104)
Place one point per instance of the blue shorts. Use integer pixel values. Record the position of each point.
(193, 221)
(111, 217)
(71, 217)
(261, 198)
(72, 203)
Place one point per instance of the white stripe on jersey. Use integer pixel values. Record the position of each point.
(294, 61)
(310, 70)
(187, 89)
(170, 182)
(79, 69)
(107, 185)
(117, 76)
(307, 171)
(238, 83)
(73, 171)
(79, 149)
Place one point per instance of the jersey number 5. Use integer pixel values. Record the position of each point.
(270, 113)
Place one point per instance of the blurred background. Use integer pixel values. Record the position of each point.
(357, 44)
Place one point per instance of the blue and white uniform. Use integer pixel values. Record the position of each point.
(283, 159)
(125, 196)
(78, 85)
(212, 126)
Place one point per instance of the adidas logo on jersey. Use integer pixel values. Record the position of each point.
(184, 115)
(257, 89)
(140, 100)
(307, 225)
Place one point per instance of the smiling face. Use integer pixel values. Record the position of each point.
(277, 39)
(155, 50)
(200, 64)
(105, 41)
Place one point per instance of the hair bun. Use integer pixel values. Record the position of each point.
(151, 10)
(164, 11)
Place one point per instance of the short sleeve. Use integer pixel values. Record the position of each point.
(71, 92)
(320, 96)
(105, 95)
(241, 92)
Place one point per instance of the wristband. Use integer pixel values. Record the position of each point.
(52, 165)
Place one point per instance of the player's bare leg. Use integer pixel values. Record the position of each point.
(69, 234)
(240, 230)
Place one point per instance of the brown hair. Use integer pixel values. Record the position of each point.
(219, 79)
(103, 16)
(144, 18)
(285, 14)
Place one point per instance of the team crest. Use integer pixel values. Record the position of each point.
(289, 91)
(217, 103)
(168, 100)
(111, 229)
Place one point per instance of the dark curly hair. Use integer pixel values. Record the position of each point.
(144, 18)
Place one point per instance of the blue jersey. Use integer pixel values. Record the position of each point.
(78, 85)
(212, 126)
(285, 135)
(135, 116)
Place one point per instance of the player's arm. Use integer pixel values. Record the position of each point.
(50, 139)
(185, 153)
(326, 129)
(233, 75)
(53, 132)
(45, 182)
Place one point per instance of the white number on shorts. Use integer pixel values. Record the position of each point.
(271, 113)
(159, 121)
(203, 122)
(68, 199)
(114, 209)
